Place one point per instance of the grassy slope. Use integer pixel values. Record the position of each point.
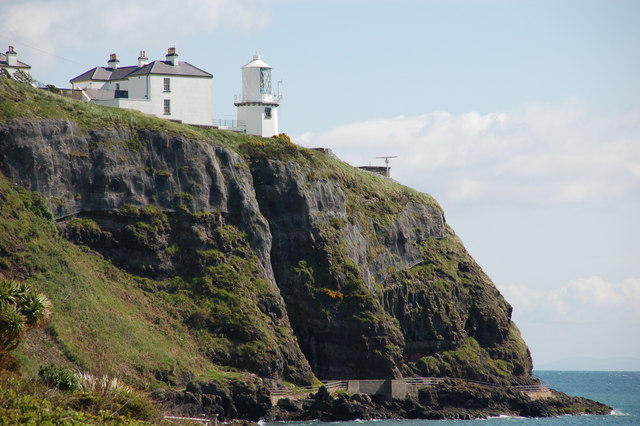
(103, 320)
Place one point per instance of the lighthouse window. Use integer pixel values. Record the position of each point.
(267, 112)
(265, 81)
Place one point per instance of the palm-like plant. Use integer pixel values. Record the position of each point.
(21, 307)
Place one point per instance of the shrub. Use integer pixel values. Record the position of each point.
(58, 377)
(20, 308)
(52, 88)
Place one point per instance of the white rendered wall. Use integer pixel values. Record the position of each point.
(256, 122)
(88, 85)
(191, 98)
(142, 105)
(137, 87)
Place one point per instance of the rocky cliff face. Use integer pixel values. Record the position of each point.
(363, 277)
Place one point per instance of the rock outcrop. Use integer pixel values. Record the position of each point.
(448, 400)
(365, 272)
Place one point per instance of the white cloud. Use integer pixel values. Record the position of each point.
(58, 25)
(585, 300)
(538, 153)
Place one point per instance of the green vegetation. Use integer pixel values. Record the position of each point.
(79, 224)
(469, 360)
(58, 377)
(21, 307)
(107, 323)
(24, 401)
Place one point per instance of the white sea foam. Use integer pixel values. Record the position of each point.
(618, 413)
(504, 416)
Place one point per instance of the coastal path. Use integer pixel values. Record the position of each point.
(393, 388)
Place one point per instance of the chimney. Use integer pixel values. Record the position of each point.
(172, 56)
(113, 61)
(12, 57)
(142, 59)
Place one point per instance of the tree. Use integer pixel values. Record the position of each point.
(21, 308)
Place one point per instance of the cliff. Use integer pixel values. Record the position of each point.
(195, 255)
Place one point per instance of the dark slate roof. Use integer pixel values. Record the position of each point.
(4, 63)
(122, 72)
(155, 67)
(105, 74)
(165, 67)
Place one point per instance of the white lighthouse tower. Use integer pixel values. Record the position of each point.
(258, 106)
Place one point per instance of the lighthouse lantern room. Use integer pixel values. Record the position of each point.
(258, 106)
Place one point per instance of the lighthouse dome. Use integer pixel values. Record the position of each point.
(256, 63)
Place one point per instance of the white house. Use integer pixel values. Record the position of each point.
(170, 89)
(258, 106)
(9, 61)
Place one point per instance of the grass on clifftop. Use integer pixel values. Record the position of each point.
(21, 101)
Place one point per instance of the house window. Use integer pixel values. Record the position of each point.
(167, 84)
(167, 107)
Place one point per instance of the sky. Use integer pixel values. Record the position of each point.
(521, 117)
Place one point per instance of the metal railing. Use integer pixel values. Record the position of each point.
(531, 388)
(264, 98)
(207, 422)
(231, 124)
(423, 381)
(294, 391)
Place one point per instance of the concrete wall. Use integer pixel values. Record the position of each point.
(391, 389)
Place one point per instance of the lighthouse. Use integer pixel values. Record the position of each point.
(258, 106)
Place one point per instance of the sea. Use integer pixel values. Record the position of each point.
(617, 389)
